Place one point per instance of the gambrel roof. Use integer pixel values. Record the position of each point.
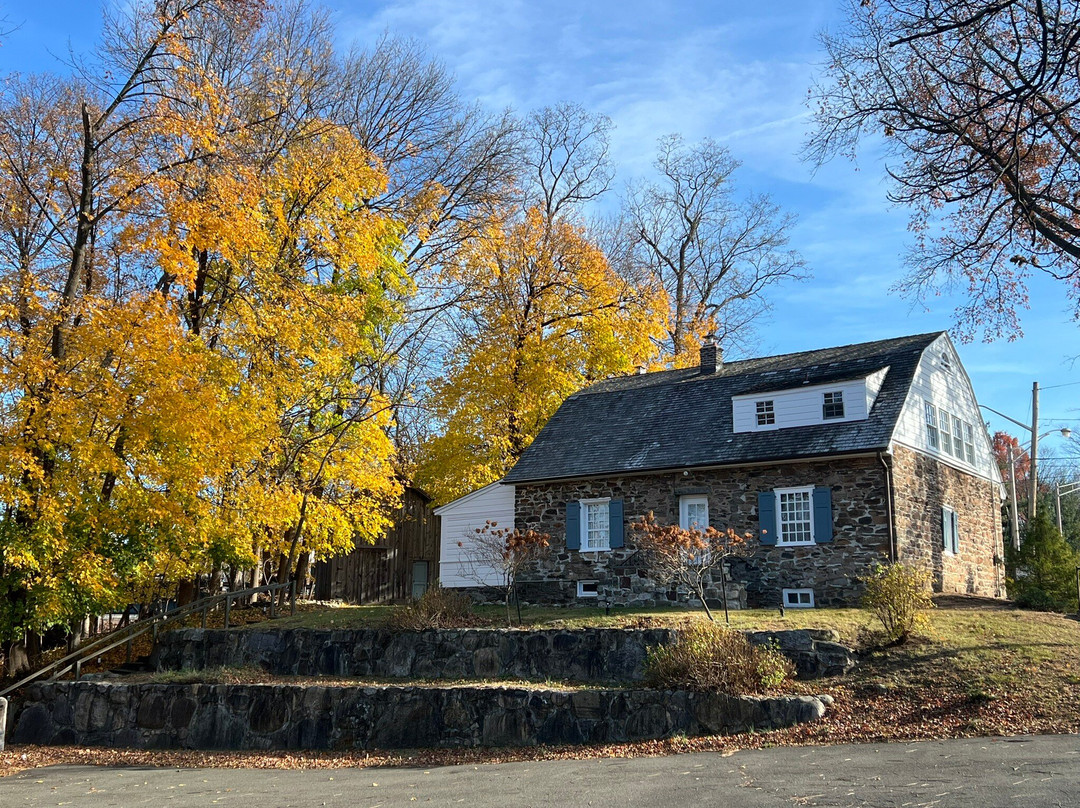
(682, 418)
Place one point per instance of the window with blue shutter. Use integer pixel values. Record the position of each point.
(766, 506)
(573, 525)
(615, 520)
(823, 521)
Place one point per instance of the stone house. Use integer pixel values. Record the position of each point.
(835, 459)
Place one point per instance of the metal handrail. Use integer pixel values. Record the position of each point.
(118, 637)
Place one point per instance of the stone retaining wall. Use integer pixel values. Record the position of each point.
(198, 716)
(583, 655)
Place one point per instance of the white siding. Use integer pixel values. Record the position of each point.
(948, 390)
(800, 406)
(460, 519)
(873, 387)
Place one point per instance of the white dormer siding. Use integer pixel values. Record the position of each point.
(806, 405)
(873, 387)
(941, 382)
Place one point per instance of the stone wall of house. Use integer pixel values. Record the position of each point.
(200, 716)
(922, 486)
(860, 528)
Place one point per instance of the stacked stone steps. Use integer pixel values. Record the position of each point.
(343, 716)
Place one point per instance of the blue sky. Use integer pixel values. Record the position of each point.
(734, 71)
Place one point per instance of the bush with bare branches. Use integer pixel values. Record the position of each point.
(689, 557)
(497, 551)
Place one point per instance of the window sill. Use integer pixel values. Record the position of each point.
(596, 550)
(796, 543)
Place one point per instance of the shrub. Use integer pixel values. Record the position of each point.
(898, 596)
(1042, 573)
(716, 659)
(436, 608)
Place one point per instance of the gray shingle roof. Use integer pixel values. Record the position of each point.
(681, 418)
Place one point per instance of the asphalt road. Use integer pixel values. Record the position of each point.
(979, 773)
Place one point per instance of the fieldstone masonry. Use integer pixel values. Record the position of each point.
(860, 526)
(581, 655)
(159, 716)
(923, 485)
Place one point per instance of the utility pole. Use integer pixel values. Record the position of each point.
(1012, 493)
(1057, 501)
(1034, 476)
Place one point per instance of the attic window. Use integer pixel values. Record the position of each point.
(766, 415)
(946, 362)
(833, 405)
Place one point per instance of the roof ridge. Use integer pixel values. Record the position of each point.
(604, 385)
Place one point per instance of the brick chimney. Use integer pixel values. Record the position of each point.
(712, 358)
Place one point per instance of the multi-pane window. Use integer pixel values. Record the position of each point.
(931, 426)
(694, 515)
(946, 433)
(958, 437)
(969, 443)
(766, 415)
(794, 516)
(597, 526)
(799, 598)
(833, 405)
(694, 512)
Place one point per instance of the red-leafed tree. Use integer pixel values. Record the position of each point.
(1002, 442)
(690, 557)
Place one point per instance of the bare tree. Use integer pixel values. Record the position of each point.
(503, 553)
(567, 158)
(691, 558)
(976, 104)
(715, 254)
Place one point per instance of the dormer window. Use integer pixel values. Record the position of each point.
(833, 405)
(766, 415)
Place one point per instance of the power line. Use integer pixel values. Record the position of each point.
(1056, 386)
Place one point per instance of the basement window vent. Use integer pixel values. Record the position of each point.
(799, 598)
(588, 589)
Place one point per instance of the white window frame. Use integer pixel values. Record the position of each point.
(838, 398)
(969, 443)
(945, 431)
(585, 503)
(582, 593)
(933, 431)
(802, 489)
(953, 548)
(765, 407)
(685, 502)
(957, 438)
(797, 593)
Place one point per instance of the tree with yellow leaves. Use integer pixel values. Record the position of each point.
(548, 316)
(190, 340)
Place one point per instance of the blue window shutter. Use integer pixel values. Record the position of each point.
(615, 523)
(955, 532)
(823, 531)
(766, 511)
(573, 525)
